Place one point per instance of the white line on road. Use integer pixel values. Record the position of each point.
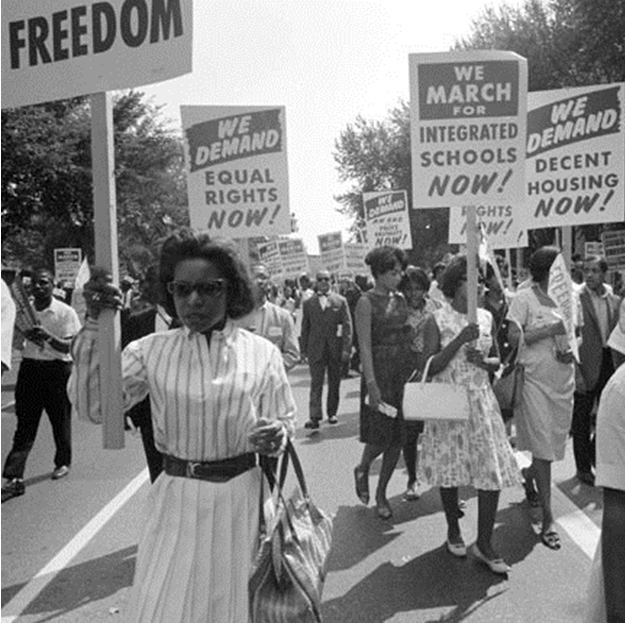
(18, 604)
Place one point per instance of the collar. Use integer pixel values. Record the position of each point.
(603, 295)
(54, 305)
(224, 333)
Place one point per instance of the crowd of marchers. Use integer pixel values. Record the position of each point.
(207, 346)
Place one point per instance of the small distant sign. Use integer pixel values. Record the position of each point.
(67, 264)
(614, 248)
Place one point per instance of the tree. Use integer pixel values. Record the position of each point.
(375, 155)
(566, 42)
(47, 197)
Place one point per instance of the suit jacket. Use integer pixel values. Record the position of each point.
(330, 327)
(591, 348)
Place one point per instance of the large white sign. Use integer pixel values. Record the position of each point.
(576, 156)
(387, 219)
(237, 175)
(64, 48)
(467, 119)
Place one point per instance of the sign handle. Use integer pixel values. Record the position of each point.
(472, 250)
(105, 220)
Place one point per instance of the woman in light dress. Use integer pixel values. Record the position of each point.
(219, 396)
(475, 452)
(543, 419)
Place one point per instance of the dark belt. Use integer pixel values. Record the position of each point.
(215, 471)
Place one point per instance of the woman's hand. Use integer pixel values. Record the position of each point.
(268, 436)
(100, 296)
(470, 333)
(375, 395)
(565, 356)
(475, 356)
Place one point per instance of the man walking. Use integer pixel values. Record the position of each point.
(600, 313)
(41, 384)
(271, 321)
(327, 343)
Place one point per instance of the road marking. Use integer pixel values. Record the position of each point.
(14, 608)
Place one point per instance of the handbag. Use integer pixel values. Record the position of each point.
(290, 568)
(508, 388)
(435, 401)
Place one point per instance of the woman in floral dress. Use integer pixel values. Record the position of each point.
(476, 452)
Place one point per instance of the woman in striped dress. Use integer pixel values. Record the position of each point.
(219, 395)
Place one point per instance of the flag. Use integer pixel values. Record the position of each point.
(561, 292)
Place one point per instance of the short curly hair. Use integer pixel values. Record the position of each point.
(189, 244)
(382, 259)
(455, 273)
(541, 261)
(414, 277)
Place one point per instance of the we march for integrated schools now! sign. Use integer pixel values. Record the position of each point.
(576, 156)
(58, 49)
(237, 174)
(387, 219)
(467, 117)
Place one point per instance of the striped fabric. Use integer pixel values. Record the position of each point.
(197, 538)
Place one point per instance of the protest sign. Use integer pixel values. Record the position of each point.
(64, 48)
(331, 251)
(237, 176)
(294, 258)
(467, 116)
(387, 219)
(593, 248)
(614, 248)
(269, 254)
(502, 224)
(575, 156)
(67, 264)
(561, 292)
(354, 254)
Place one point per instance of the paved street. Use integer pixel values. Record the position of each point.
(69, 547)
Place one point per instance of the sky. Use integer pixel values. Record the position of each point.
(326, 61)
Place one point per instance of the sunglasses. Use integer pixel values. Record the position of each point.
(183, 289)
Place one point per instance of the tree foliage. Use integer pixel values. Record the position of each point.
(566, 42)
(47, 195)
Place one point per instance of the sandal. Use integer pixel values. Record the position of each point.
(383, 509)
(531, 495)
(361, 481)
(551, 539)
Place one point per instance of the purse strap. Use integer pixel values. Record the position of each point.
(426, 370)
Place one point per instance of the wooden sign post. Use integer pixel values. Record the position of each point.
(105, 222)
(472, 251)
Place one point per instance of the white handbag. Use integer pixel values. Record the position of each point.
(435, 401)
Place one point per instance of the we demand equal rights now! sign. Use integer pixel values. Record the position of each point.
(237, 174)
(576, 156)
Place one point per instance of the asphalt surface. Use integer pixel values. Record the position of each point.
(69, 546)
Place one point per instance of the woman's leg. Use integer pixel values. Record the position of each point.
(449, 498)
(409, 450)
(487, 502)
(361, 472)
(540, 471)
(389, 462)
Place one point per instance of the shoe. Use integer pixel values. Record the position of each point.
(459, 550)
(588, 478)
(361, 480)
(14, 487)
(333, 420)
(496, 565)
(60, 472)
(383, 509)
(411, 494)
(551, 539)
(314, 424)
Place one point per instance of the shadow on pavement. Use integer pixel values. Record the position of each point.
(81, 584)
(580, 494)
(29, 482)
(430, 581)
